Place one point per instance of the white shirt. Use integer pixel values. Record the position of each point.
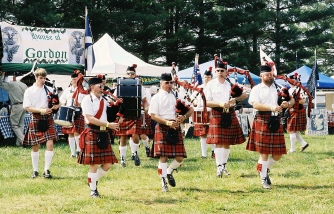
(296, 90)
(264, 95)
(217, 92)
(91, 108)
(163, 105)
(36, 97)
(199, 99)
(66, 97)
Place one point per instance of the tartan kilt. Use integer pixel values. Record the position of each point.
(200, 129)
(160, 147)
(144, 129)
(90, 153)
(127, 127)
(297, 120)
(226, 136)
(262, 140)
(78, 126)
(33, 136)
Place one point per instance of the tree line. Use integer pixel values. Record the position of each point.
(165, 31)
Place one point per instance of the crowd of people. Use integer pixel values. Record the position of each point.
(160, 117)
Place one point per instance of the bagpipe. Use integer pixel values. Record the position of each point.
(53, 98)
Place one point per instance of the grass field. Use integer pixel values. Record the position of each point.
(302, 183)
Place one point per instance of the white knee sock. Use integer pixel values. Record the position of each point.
(292, 142)
(213, 146)
(71, 142)
(162, 170)
(226, 154)
(203, 146)
(173, 165)
(300, 139)
(219, 156)
(77, 142)
(92, 178)
(271, 162)
(100, 173)
(48, 159)
(122, 151)
(34, 160)
(263, 172)
(145, 142)
(134, 147)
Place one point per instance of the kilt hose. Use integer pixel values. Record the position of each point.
(33, 136)
(160, 147)
(200, 129)
(262, 140)
(225, 136)
(297, 120)
(78, 126)
(90, 153)
(134, 126)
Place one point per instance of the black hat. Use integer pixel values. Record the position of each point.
(75, 73)
(222, 65)
(208, 72)
(132, 68)
(265, 68)
(166, 77)
(94, 80)
(16, 73)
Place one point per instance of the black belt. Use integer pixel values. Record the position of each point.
(263, 113)
(96, 128)
(223, 109)
(17, 103)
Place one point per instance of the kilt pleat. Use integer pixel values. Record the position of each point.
(200, 129)
(297, 120)
(262, 140)
(226, 136)
(160, 146)
(78, 126)
(134, 126)
(90, 153)
(33, 136)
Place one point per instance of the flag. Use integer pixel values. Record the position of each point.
(265, 59)
(311, 84)
(197, 75)
(89, 52)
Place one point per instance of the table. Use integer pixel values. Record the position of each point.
(6, 129)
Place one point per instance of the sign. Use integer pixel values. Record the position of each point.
(24, 44)
(317, 123)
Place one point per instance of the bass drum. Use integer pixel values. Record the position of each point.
(65, 116)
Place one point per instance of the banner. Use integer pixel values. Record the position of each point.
(24, 44)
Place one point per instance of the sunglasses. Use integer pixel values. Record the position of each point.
(99, 85)
(220, 70)
(131, 73)
(169, 82)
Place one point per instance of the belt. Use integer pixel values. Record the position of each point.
(17, 103)
(97, 128)
(263, 113)
(222, 109)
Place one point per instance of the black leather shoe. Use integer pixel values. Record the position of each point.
(171, 180)
(94, 194)
(267, 178)
(136, 159)
(304, 147)
(47, 174)
(34, 174)
(148, 151)
(213, 154)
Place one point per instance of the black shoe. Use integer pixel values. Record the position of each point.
(304, 147)
(171, 180)
(164, 185)
(267, 178)
(224, 170)
(123, 162)
(220, 171)
(47, 174)
(94, 194)
(136, 159)
(147, 149)
(213, 154)
(265, 184)
(34, 174)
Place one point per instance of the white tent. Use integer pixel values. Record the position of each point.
(112, 59)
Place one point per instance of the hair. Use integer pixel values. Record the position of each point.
(40, 72)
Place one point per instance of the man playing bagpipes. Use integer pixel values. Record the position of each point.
(41, 103)
(266, 136)
(78, 126)
(95, 143)
(296, 121)
(225, 129)
(168, 140)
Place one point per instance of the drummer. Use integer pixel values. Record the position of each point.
(201, 129)
(78, 126)
(133, 127)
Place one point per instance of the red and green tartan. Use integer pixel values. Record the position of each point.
(78, 126)
(262, 140)
(297, 120)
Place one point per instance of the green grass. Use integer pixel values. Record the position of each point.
(302, 183)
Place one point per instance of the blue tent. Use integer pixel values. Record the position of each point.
(324, 81)
(186, 74)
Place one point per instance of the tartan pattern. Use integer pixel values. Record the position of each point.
(78, 126)
(226, 136)
(144, 129)
(262, 140)
(134, 126)
(90, 153)
(297, 120)
(200, 129)
(160, 147)
(127, 127)
(35, 137)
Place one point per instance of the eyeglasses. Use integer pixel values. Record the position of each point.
(169, 82)
(99, 85)
(131, 73)
(220, 70)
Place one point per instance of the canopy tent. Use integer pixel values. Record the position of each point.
(110, 58)
(324, 81)
(186, 74)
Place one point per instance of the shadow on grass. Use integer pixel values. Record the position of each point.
(316, 187)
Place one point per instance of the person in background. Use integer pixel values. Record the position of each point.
(163, 111)
(266, 138)
(95, 140)
(41, 128)
(16, 91)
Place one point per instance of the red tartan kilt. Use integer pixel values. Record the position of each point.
(226, 136)
(127, 127)
(134, 126)
(78, 126)
(90, 153)
(147, 129)
(33, 136)
(161, 148)
(297, 120)
(200, 129)
(262, 140)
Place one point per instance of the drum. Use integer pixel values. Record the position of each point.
(65, 116)
(198, 117)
